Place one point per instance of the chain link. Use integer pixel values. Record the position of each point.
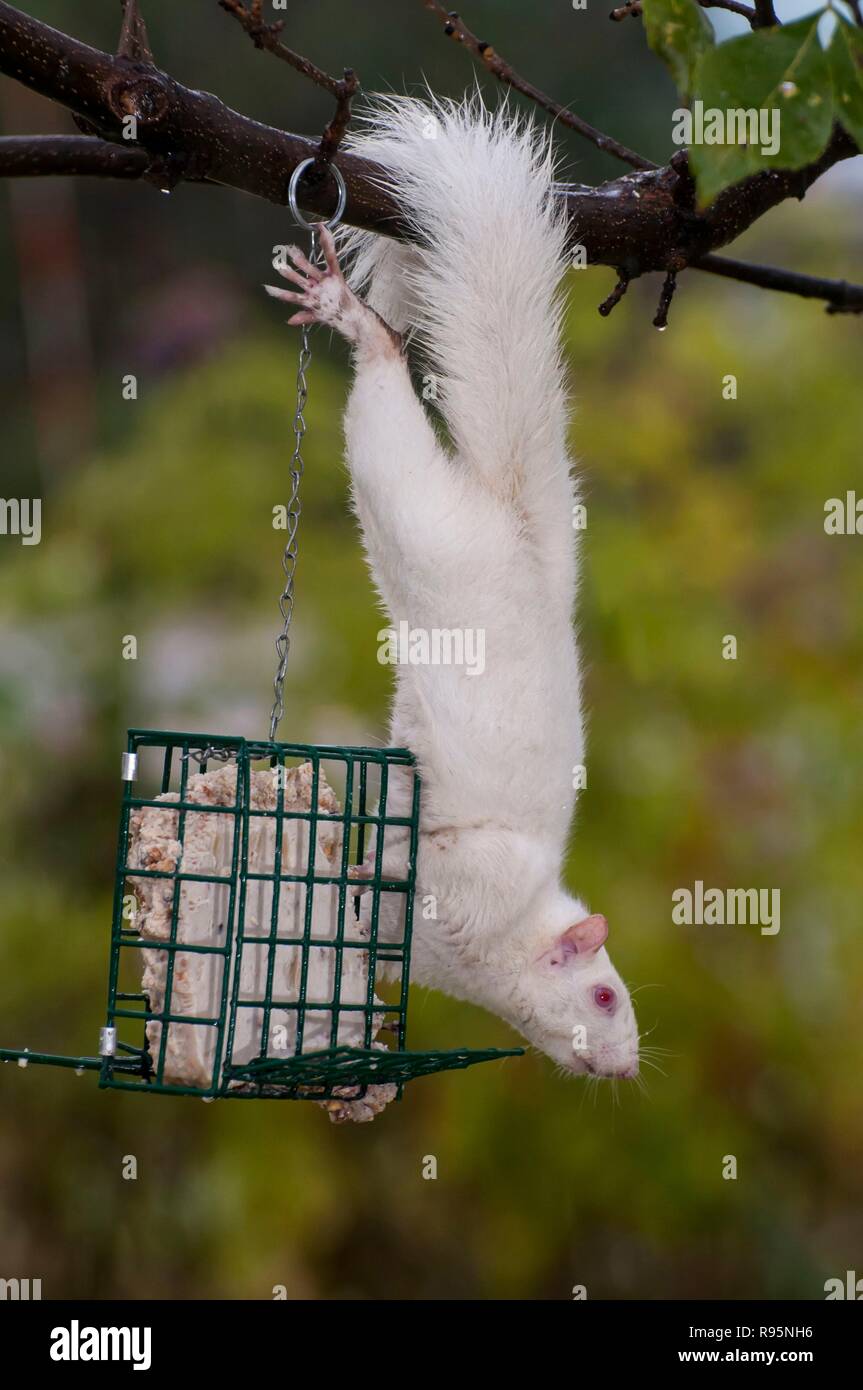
(289, 558)
(211, 754)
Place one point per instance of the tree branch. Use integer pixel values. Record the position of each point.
(632, 10)
(765, 15)
(33, 156)
(193, 132)
(456, 29)
(643, 221)
(840, 297)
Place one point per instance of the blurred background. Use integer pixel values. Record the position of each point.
(705, 519)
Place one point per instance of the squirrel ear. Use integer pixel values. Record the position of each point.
(583, 938)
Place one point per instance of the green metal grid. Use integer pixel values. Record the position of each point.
(129, 1063)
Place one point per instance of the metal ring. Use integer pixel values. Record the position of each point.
(341, 202)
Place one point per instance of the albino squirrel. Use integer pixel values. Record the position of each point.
(477, 535)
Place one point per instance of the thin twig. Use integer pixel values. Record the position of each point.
(266, 36)
(734, 7)
(344, 89)
(747, 12)
(334, 132)
(456, 29)
(616, 295)
(766, 16)
(839, 295)
(669, 286)
(133, 42)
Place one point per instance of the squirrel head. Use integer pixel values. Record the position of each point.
(571, 1002)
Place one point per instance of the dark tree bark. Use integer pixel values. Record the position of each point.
(643, 221)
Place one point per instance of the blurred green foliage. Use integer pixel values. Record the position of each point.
(705, 518)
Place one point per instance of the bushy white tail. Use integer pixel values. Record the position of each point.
(477, 282)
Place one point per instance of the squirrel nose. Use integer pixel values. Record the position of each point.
(627, 1073)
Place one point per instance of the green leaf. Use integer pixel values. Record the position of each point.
(775, 84)
(845, 56)
(679, 32)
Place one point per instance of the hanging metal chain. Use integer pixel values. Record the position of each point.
(289, 558)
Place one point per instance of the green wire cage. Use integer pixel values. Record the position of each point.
(261, 932)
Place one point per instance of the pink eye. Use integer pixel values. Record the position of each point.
(604, 998)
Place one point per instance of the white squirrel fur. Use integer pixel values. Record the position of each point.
(478, 534)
